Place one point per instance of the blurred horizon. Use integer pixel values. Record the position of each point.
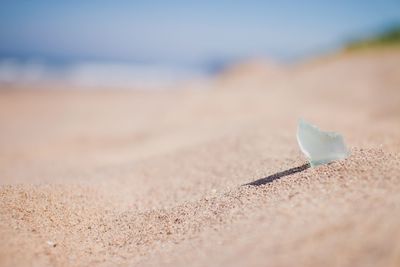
(145, 41)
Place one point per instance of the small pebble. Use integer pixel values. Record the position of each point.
(51, 244)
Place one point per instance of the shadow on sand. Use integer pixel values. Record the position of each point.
(278, 175)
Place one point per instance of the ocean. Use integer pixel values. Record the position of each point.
(103, 73)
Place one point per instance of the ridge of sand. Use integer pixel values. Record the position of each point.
(134, 179)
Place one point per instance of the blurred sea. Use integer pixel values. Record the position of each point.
(103, 73)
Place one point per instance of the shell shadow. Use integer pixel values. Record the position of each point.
(278, 175)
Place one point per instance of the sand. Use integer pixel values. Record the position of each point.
(135, 178)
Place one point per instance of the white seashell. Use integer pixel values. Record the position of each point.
(318, 146)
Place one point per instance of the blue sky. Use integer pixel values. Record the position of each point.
(184, 31)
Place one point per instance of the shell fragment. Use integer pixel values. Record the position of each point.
(320, 147)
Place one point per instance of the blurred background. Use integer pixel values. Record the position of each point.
(146, 44)
(128, 127)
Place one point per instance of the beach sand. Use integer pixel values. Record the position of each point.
(135, 178)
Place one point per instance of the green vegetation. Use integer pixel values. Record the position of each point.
(387, 38)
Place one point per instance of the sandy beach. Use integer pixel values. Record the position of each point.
(154, 178)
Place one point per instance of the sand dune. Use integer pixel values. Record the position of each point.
(136, 178)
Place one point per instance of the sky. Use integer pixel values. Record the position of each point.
(184, 31)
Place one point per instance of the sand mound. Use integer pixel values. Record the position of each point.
(251, 71)
(149, 179)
